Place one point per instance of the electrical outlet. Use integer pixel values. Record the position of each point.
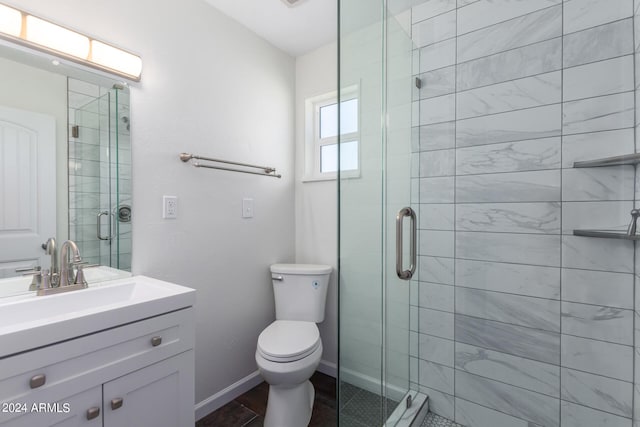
(169, 207)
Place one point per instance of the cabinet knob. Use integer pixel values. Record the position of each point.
(37, 381)
(116, 403)
(93, 412)
(156, 341)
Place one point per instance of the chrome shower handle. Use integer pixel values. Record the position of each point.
(98, 226)
(402, 213)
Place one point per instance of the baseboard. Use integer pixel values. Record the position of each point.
(328, 368)
(225, 396)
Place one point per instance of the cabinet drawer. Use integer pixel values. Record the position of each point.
(94, 359)
(160, 395)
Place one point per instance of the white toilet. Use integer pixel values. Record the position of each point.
(289, 349)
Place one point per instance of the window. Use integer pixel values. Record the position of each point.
(321, 147)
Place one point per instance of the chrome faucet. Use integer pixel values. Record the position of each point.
(51, 249)
(62, 278)
(65, 277)
(66, 268)
(52, 273)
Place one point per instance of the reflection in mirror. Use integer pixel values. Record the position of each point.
(65, 170)
(100, 173)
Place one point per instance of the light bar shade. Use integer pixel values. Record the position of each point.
(57, 38)
(111, 57)
(21, 27)
(10, 21)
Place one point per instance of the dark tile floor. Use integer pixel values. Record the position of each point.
(248, 410)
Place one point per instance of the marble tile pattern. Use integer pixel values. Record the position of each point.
(517, 322)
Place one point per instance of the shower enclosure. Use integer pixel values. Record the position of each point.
(100, 173)
(485, 129)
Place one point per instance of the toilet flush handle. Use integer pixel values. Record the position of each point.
(278, 278)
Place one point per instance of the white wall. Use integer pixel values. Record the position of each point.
(210, 87)
(316, 202)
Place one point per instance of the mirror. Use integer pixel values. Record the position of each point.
(65, 167)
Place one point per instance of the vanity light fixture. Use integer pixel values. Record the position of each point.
(10, 21)
(44, 33)
(28, 30)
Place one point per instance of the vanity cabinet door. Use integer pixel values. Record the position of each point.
(82, 409)
(160, 395)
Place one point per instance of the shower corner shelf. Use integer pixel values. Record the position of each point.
(630, 234)
(606, 234)
(627, 159)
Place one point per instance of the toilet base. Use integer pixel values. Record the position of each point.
(290, 406)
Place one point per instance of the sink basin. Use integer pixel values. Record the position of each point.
(30, 321)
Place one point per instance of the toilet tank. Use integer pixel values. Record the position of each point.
(300, 291)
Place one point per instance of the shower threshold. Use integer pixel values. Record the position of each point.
(414, 415)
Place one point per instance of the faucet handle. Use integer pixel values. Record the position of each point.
(46, 279)
(36, 280)
(635, 214)
(80, 280)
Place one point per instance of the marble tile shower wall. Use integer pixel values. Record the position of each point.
(89, 182)
(516, 322)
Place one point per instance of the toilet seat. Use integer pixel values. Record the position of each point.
(288, 340)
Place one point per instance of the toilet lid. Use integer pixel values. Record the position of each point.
(288, 340)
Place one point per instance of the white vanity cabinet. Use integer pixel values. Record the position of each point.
(140, 374)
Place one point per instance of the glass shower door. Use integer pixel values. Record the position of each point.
(375, 212)
(100, 174)
(119, 204)
(400, 219)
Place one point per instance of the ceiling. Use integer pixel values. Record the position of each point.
(295, 30)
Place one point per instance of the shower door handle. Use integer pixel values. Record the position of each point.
(402, 213)
(98, 226)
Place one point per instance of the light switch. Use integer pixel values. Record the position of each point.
(247, 208)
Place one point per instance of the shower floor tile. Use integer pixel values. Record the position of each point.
(363, 408)
(347, 392)
(434, 420)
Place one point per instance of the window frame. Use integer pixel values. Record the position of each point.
(313, 142)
